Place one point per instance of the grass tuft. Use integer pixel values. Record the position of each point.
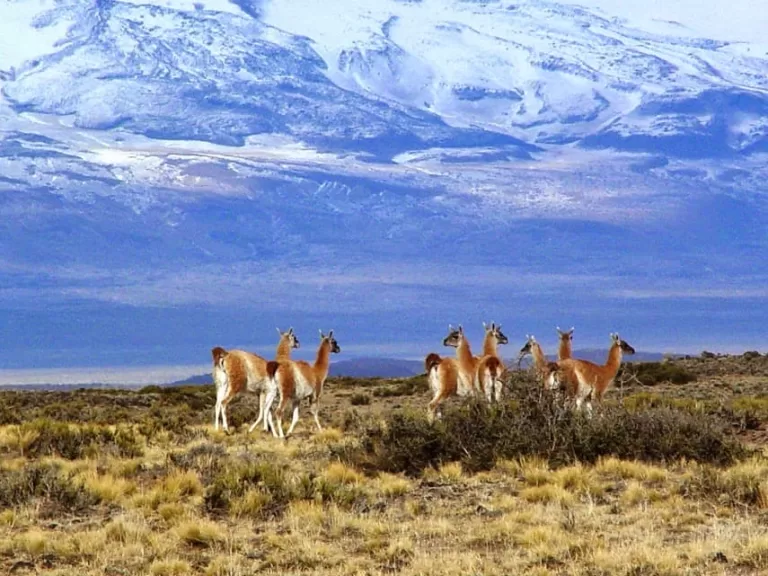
(200, 533)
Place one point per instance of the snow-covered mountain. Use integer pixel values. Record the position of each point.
(174, 173)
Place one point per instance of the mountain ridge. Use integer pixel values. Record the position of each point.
(172, 168)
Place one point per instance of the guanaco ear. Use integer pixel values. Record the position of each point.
(571, 330)
(450, 327)
(330, 334)
(461, 329)
(321, 334)
(278, 330)
(485, 327)
(290, 330)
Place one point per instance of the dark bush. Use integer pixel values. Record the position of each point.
(360, 399)
(151, 389)
(751, 354)
(405, 387)
(73, 442)
(44, 481)
(652, 373)
(530, 423)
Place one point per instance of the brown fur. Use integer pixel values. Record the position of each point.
(464, 358)
(564, 349)
(236, 366)
(286, 345)
(491, 343)
(446, 375)
(218, 354)
(542, 367)
(284, 375)
(239, 365)
(272, 367)
(431, 361)
(584, 379)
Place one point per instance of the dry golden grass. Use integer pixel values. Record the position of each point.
(206, 502)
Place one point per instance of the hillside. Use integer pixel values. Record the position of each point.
(164, 163)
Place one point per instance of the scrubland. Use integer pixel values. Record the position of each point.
(670, 477)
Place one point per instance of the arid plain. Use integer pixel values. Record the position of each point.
(670, 477)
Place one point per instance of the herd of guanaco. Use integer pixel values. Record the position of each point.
(291, 381)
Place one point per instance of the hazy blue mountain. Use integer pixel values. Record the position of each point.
(179, 175)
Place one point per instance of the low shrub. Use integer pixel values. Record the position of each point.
(529, 423)
(207, 460)
(653, 373)
(151, 389)
(235, 480)
(405, 387)
(44, 481)
(71, 441)
(360, 399)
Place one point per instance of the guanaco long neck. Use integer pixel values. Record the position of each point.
(539, 360)
(283, 348)
(464, 354)
(322, 363)
(564, 350)
(614, 360)
(490, 345)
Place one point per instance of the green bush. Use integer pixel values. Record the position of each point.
(531, 424)
(405, 387)
(652, 373)
(151, 389)
(360, 399)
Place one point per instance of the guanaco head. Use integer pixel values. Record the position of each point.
(293, 341)
(625, 348)
(495, 329)
(565, 335)
(527, 347)
(455, 336)
(331, 341)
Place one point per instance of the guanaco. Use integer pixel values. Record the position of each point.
(583, 380)
(293, 381)
(451, 376)
(235, 371)
(490, 367)
(542, 367)
(564, 349)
